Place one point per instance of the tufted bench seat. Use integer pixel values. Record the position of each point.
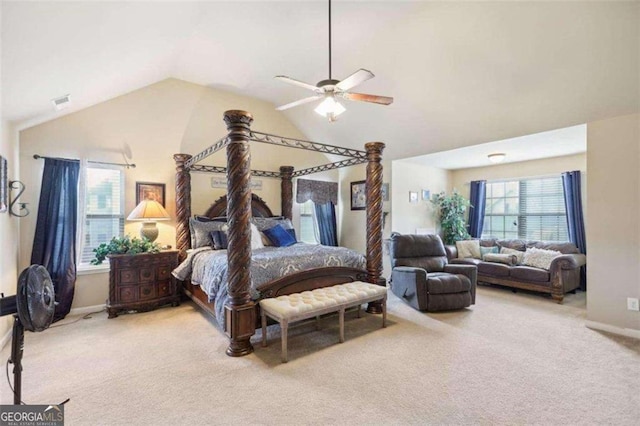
(308, 304)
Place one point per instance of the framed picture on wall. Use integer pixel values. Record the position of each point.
(4, 184)
(413, 197)
(358, 195)
(150, 191)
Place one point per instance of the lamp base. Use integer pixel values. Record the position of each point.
(149, 231)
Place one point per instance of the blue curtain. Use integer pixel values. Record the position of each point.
(326, 218)
(575, 219)
(476, 211)
(54, 243)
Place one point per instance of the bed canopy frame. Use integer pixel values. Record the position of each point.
(240, 311)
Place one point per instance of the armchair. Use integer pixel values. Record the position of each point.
(422, 277)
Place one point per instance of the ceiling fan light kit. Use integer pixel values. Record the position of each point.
(330, 88)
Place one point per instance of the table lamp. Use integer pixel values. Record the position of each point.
(149, 211)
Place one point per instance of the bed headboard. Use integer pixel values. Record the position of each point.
(258, 207)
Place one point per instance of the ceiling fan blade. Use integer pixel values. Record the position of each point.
(299, 83)
(383, 100)
(300, 102)
(354, 79)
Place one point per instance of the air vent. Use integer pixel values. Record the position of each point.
(62, 102)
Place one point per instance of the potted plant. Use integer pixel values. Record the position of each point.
(123, 245)
(450, 210)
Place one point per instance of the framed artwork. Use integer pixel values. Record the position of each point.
(385, 192)
(150, 191)
(426, 194)
(359, 195)
(4, 184)
(413, 197)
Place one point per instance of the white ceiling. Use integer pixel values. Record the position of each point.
(461, 73)
(554, 143)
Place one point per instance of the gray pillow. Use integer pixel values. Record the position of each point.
(507, 259)
(263, 223)
(201, 232)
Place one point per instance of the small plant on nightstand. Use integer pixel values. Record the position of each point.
(123, 245)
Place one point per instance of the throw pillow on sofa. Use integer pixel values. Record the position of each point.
(507, 259)
(539, 258)
(489, 250)
(517, 253)
(468, 248)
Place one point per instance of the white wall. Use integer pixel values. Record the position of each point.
(153, 123)
(9, 226)
(408, 176)
(613, 236)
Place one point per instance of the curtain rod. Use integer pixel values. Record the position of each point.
(127, 165)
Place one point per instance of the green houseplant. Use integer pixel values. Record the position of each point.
(123, 245)
(450, 210)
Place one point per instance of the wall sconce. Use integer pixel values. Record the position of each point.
(13, 185)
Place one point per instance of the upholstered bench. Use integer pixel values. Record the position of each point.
(308, 304)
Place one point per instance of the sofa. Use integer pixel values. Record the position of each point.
(562, 276)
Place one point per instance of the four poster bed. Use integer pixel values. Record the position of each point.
(237, 300)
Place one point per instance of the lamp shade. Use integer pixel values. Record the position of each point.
(149, 210)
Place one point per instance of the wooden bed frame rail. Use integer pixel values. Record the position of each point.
(240, 311)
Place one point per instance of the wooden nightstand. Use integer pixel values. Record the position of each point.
(142, 282)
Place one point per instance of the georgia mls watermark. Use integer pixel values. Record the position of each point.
(32, 415)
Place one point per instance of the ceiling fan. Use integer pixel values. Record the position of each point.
(330, 89)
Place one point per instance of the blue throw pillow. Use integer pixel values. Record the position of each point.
(292, 232)
(489, 250)
(279, 236)
(219, 239)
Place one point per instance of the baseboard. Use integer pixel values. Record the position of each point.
(87, 309)
(6, 338)
(628, 332)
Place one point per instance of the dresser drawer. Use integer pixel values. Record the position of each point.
(146, 292)
(165, 288)
(164, 272)
(128, 276)
(127, 294)
(147, 274)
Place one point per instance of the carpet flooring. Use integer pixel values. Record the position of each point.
(510, 359)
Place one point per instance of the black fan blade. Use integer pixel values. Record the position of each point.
(354, 79)
(300, 102)
(382, 100)
(298, 83)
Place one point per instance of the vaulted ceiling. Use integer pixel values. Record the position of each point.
(460, 73)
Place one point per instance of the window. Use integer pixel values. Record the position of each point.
(104, 209)
(530, 209)
(307, 226)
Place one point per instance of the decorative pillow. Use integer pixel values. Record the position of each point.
(539, 258)
(507, 259)
(279, 236)
(269, 222)
(201, 232)
(468, 248)
(220, 240)
(292, 232)
(256, 239)
(517, 253)
(487, 250)
(210, 219)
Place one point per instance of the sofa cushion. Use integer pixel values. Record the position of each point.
(494, 269)
(442, 283)
(467, 261)
(507, 259)
(518, 254)
(429, 264)
(468, 248)
(528, 273)
(564, 248)
(513, 244)
(539, 258)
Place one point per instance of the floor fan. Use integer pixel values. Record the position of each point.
(32, 307)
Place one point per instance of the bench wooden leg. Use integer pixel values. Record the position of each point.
(264, 329)
(384, 312)
(341, 315)
(284, 325)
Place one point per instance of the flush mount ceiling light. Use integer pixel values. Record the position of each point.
(330, 89)
(498, 157)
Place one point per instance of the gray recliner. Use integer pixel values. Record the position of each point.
(422, 277)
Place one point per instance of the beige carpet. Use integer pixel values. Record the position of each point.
(510, 359)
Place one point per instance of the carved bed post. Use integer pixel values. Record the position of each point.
(183, 205)
(240, 313)
(286, 173)
(374, 219)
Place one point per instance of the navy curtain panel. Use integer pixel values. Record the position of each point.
(571, 182)
(327, 228)
(54, 243)
(478, 200)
